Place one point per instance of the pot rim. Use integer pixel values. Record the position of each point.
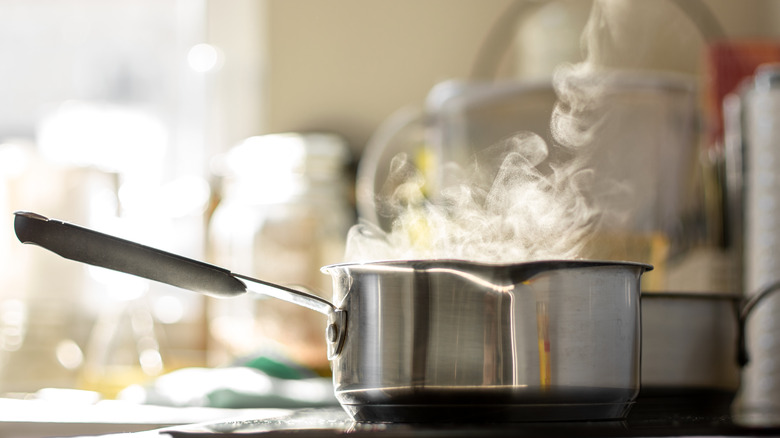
(730, 296)
(424, 264)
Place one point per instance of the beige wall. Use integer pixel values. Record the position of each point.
(345, 65)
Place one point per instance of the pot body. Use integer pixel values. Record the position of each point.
(689, 343)
(447, 340)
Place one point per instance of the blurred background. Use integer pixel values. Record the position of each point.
(253, 134)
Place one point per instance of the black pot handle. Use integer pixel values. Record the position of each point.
(84, 245)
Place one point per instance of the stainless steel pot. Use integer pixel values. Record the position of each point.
(442, 340)
(689, 343)
(532, 341)
(694, 345)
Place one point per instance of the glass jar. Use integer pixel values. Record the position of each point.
(284, 212)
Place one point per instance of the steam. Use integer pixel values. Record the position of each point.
(517, 210)
(521, 199)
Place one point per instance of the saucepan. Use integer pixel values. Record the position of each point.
(436, 340)
(694, 344)
(689, 351)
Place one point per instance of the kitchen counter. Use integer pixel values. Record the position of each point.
(69, 415)
(703, 415)
(653, 418)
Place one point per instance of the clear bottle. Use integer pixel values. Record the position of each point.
(284, 212)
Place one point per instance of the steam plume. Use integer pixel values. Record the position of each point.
(522, 199)
(512, 212)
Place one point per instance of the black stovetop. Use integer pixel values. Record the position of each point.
(705, 414)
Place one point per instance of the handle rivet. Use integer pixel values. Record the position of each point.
(332, 333)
